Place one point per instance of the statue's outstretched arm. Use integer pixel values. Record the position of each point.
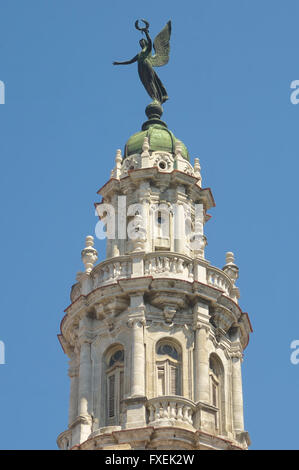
(127, 62)
(149, 41)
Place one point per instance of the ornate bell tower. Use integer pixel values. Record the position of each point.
(154, 333)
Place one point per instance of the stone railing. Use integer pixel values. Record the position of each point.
(217, 278)
(64, 440)
(170, 410)
(206, 417)
(111, 270)
(106, 272)
(75, 291)
(159, 265)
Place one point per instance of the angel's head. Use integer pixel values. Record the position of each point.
(143, 43)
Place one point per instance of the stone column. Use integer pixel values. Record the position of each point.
(238, 417)
(81, 427)
(73, 374)
(135, 415)
(145, 199)
(179, 228)
(138, 359)
(179, 220)
(202, 392)
(84, 377)
(114, 243)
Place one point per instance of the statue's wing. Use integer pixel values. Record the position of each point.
(162, 47)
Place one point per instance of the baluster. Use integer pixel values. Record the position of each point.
(180, 266)
(121, 269)
(172, 410)
(157, 410)
(118, 269)
(110, 271)
(190, 417)
(180, 412)
(185, 413)
(106, 273)
(186, 269)
(154, 266)
(175, 260)
(166, 264)
(165, 409)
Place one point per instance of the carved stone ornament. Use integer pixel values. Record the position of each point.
(169, 313)
(89, 254)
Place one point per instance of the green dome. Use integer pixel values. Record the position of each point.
(159, 137)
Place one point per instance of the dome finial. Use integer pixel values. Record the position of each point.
(154, 112)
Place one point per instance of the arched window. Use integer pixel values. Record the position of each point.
(114, 384)
(161, 226)
(214, 383)
(216, 387)
(168, 369)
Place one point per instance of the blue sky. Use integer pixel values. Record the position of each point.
(68, 109)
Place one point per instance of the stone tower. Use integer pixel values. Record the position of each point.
(154, 333)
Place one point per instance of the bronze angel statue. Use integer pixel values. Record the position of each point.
(147, 61)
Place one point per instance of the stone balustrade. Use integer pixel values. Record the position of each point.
(112, 270)
(64, 440)
(217, 278)
(170, 410)
(155, 264)
(206, 417)
(159, 265)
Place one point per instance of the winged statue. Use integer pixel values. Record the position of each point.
(147, 61)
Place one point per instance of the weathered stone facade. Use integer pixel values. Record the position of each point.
(154, 333)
